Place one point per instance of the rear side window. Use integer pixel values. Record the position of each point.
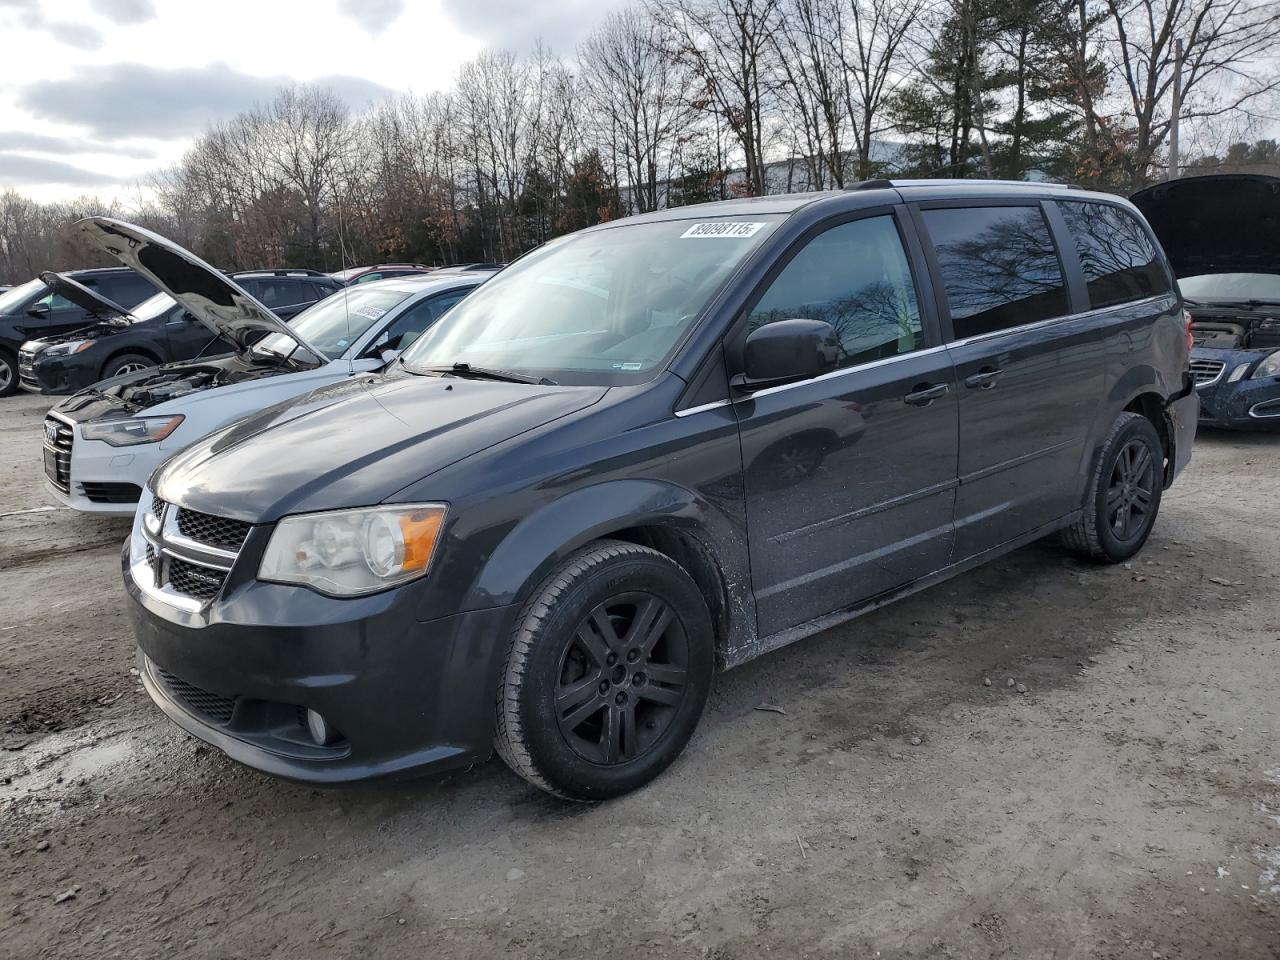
(278, 293)
(1119, 260)
(855, 277)
(999, 267)
(126, 289)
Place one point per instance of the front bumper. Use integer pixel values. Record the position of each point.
(407, 697)
(101, 478)
(53, 376)
(1244, 405)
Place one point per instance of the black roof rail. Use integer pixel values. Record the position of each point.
(875, 184)
(973, 181)
(279, 272)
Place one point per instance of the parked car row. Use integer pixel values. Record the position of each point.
(443, 514)
(103, 443)
(62, 332)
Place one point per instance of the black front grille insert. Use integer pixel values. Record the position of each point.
(222, 532)
(58, 440)
(153, 560)
(112, 492)
(194, 580)
(212, 707)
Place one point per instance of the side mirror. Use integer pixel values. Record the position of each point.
(786, 351)
(389, 355)
(39, 310)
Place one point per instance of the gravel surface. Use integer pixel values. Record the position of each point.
(1042, 758)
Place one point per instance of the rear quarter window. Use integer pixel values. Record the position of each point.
(999, 267)
(1119, 261)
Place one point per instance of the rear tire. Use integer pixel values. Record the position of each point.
(1124, 493)
(607, 672)
(8, 373)
(123, 363)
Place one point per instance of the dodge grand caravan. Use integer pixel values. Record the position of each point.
(649, 450)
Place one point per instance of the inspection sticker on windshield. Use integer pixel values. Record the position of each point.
(731, 229)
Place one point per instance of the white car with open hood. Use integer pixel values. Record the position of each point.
(102, 443)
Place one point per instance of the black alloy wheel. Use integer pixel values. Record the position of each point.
(1131, 490)
(1123, 497)
(622, 678)
(608, 668)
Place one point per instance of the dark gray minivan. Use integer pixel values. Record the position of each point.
(654, 449)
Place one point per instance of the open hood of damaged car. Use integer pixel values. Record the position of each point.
(84, 298)
(206, 293)
(1225, 223)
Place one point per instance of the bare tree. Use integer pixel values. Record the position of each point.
(726, 46)
(873, 61)
(638, 99)
(1228, 68)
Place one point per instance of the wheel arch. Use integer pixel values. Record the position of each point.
(1140, 389)
(148, 352)
(666, 517)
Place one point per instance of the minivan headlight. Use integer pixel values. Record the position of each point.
(1269, 367)
(125, 433)
(347, 553)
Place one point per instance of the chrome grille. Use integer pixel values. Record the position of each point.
(1206, 372)
(221, 532)
(186, 555)
(59, 437)
(26, 367)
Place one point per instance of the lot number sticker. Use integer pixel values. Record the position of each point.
(731, 229)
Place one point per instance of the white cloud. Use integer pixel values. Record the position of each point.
(135, 100)
(373, 15)
(124, 11)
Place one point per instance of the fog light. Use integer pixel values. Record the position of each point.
(320, 731)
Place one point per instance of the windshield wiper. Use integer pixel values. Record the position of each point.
(1251, 304)
(466, 370)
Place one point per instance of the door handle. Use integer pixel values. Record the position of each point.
(925, 393)
(984, 379)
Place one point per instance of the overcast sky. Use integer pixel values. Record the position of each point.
(96, 93)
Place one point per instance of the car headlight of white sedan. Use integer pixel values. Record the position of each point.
(126, 433)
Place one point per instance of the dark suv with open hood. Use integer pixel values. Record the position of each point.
(33, 311)
(1222, 236)
(158, 330)
(650, 449)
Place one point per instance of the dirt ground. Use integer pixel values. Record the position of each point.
(1113, 792)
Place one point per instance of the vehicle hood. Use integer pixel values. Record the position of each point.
(356, 443)
(206, 293)
(1228, 223)
(84, 298)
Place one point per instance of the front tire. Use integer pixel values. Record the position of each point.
(8, 373)
(608, 670)
(1124, 493)
(123, 363)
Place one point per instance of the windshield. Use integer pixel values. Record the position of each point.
(15, 298)
(153, 307)
(603, 307)
(333, 324)
(1232, 286)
